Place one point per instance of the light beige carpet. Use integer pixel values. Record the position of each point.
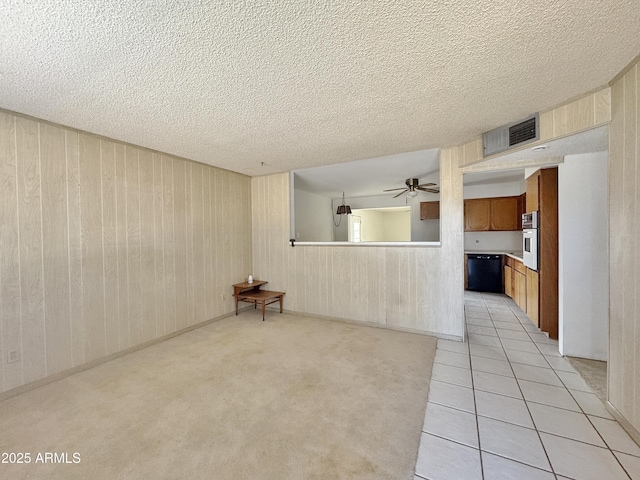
(288, 398)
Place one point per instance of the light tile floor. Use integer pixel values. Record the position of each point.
(506, 405)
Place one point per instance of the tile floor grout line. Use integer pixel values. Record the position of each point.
(530, 415)
(565, 387)
(475, 406)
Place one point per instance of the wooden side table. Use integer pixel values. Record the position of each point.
(251, 293)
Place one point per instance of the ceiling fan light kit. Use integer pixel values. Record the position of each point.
(412, 187)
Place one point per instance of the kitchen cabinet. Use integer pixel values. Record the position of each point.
(515, 282)
(533, 185)
(522, 199)
(542, 196)
(477, 215)
(532, 296)
(520, 290)
(429, 210)
(491, 214)
(504, 214)
(508, 281)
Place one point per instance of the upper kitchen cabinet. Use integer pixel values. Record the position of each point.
(429, 210)
(491, 214)
(504, 213)
(477, 215)
(533, 193)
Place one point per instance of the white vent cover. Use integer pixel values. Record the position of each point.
(511, 135)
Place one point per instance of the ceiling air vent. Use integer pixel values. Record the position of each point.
(509, 136)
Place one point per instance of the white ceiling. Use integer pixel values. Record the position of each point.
(371, 176)
(296, 84)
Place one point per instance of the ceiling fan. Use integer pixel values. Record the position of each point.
(412, 186)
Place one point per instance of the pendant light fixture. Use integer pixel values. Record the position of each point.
(343, 209)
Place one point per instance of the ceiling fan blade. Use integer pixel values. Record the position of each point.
(425, 185)
(430, 190)
(394, 189)
(405, 190)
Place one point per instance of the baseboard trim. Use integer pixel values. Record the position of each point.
(99, 361)
(375, 325)
(630, 429)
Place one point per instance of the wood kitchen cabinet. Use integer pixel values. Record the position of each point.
(542, 196)
(515, 282)
(532, 296)
(429, 210)
(508, 281)
(491, 214)
(477, 215)
(504, 214)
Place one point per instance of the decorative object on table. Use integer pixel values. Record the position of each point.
(250, 279)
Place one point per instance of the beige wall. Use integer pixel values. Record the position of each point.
(417, 288)
(624, 208)
(104, 246)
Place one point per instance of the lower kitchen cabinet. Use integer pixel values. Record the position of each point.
(515, 282)
(532, 296)
(520, 290)
(508, 281)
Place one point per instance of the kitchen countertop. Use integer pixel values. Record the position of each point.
(513, 254)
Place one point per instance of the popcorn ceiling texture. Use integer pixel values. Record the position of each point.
(296, 84)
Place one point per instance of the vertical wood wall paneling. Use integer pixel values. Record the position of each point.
(92, 248)
(616, 222)
(216, 285)
(624, 190)
(207, 243)
(227, 261)
(180, 222)
(9, 254)
(109, 233)
(189, 244)
(55, 248)
(361, 281)
(147, 245)
(133, 246)
(198, 242)
(76, 299)
(169, 254)
(101, 243)
(631, 243)
(122, 268)
(158, 246)
(31, 256)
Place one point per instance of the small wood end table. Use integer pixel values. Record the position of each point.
(251, 293)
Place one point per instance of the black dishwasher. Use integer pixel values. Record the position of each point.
(484, 273)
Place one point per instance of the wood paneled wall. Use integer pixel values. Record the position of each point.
(589, 111)
(105, 246)
(417, 288)
(624, 215)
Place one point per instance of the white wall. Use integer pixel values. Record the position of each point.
(380, 226)
(583, 256)
(421, 230)
(313, 217)
(397, 226)
(506, 189)
(371, 225)
(493, 241)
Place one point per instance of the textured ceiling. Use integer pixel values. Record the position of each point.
(296, 84)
